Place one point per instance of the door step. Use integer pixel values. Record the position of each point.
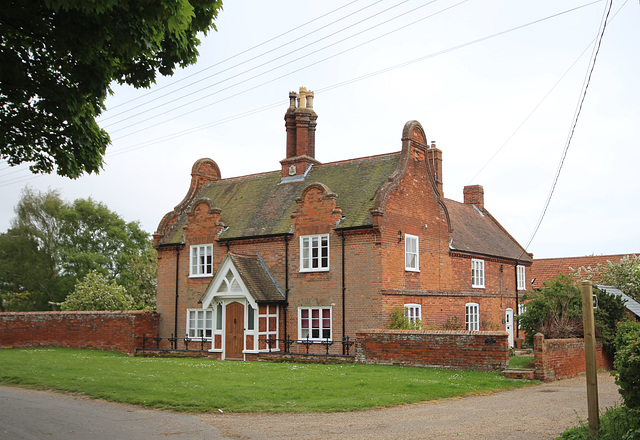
(519, 373)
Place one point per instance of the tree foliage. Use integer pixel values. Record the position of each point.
(51, 244)
(627, 363)
(58, 58)
(556, 312)
(96, 292)
(623, 275)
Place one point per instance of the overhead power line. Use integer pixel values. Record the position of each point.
(284, 64)
(372, 74)
(573, 125)
(157, 89)
(331, 87)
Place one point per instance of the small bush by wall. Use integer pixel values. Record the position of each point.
(434, 348)
(116, 331)
(564, 358)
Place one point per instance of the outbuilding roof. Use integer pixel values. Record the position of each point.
(631, 304)
(544, 269)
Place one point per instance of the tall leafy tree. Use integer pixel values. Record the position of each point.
(29, 253)
(624, 275)
(556, 311)
(59, 57)
(52, 244)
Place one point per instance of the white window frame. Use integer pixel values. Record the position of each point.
(413, 312)
(410, 240)
(477, 273)
(199, 324)
(313, 250)
(302, 334)
(522, 308)
(522, 277)
(201, 260)
(472, 316)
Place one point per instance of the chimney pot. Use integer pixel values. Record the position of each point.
(310, 100)
(292, 100)
(302, 98)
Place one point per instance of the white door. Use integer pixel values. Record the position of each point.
(508, 319)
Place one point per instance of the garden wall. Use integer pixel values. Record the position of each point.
(116, 331)
(434, 348)
(564, 358)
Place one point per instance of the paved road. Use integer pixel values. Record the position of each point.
(530, 413)
(44, 415)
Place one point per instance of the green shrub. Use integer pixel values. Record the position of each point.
(556, 312)
(627, 363)
(400, 321)
(617, 423)
(453, 323)
(96, 292)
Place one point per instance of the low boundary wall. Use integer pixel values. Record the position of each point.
(564, 358)
(434, 348)
(115, 331)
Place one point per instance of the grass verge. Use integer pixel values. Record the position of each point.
(198, 385)
(521, 362)
(617, 423)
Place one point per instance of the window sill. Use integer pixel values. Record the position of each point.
(313, 270)
(201, 276)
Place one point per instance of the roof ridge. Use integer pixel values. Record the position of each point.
(355, 159)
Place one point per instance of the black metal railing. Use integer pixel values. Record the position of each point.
(197, 343)
(308, 343)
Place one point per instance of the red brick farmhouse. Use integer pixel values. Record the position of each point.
(314, 252)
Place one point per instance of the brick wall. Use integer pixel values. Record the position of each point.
(116, 331)
(446, 349)
(564, 358)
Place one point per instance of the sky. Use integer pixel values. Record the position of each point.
(497, 84)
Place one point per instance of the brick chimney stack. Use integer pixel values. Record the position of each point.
(300, 123)
(434, 157)
(474, 195)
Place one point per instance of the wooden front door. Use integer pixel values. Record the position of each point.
(234, 331)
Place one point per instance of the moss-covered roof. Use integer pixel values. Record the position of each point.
(260, 204)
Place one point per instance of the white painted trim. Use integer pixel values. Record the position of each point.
(408, 237)
(301, 259)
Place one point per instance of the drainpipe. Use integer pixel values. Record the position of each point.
(517, 311)
(175, 317)
(344, 288)
(286, 284)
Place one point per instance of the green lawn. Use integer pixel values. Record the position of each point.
(202, 385)
(521, 362)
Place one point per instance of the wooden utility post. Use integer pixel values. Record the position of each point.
(590, 356)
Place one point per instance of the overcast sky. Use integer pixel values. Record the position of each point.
(496, 84)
